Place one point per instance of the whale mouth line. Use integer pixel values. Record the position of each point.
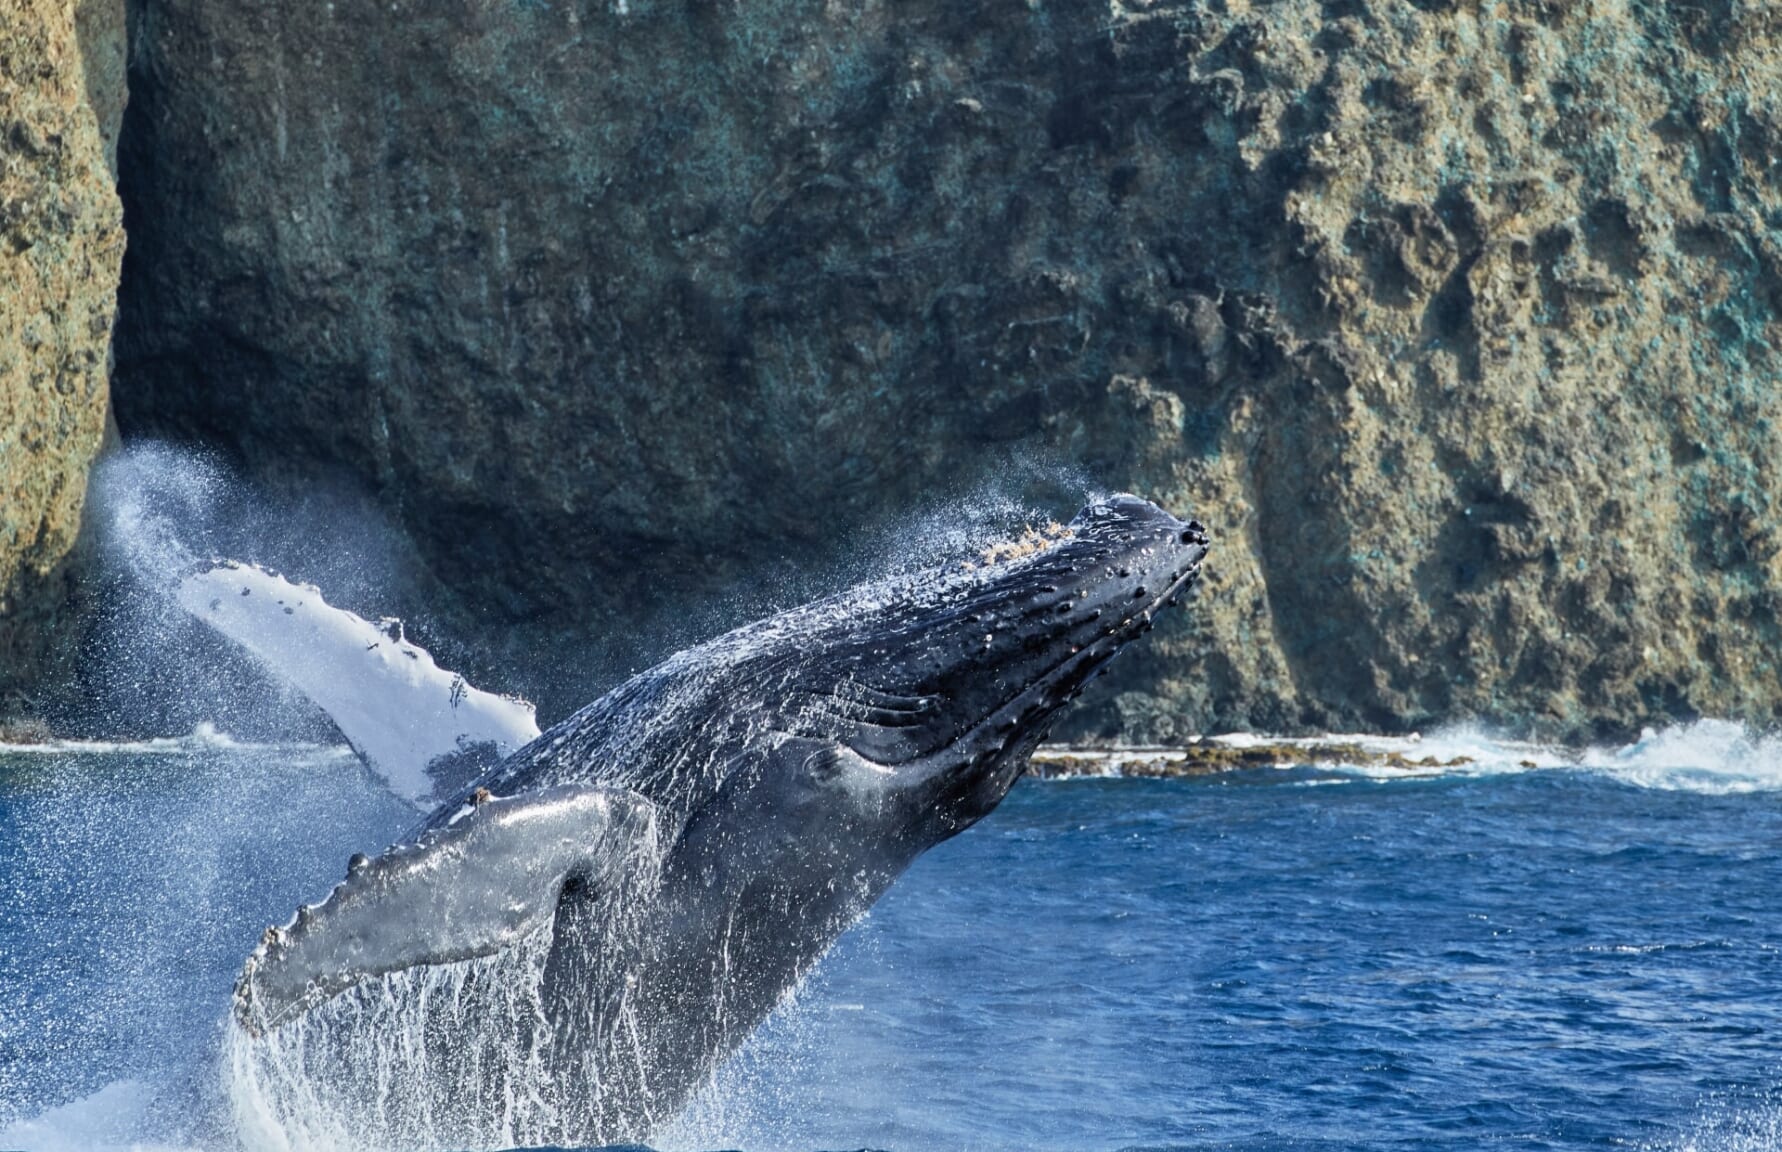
(1083, 664)
(1106, 647)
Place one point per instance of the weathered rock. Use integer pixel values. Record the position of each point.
(1212, 758)
(100, 28)
(61, 241)
(1453, 320)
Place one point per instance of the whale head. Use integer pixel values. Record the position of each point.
(899, 711)
(924, 697)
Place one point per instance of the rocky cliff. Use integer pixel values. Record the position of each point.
(1453, 318)
(61, 240)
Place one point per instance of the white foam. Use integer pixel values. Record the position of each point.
(1712, 757)
(388, 697)
(204, 737)
(106, 1121)
(1725, 1125)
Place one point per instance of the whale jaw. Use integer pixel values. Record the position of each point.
(975, 676)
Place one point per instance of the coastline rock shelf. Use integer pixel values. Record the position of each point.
(1212, 757)
(1455, 322)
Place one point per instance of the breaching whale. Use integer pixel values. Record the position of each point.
(565, 949)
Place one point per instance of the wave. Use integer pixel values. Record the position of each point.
(109, 1120)
(205, 737)
(1712, 756)
(1709, 757)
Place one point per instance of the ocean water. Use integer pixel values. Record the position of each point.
(1584, 954)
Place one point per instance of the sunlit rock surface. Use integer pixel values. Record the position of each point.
(1454, 321)
(61, 240)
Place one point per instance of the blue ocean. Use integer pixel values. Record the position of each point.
(1584, 954)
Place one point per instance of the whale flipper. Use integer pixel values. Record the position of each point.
(466, 889)
(414, 723)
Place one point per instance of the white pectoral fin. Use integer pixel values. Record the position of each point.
(468, 889)
(408, 718)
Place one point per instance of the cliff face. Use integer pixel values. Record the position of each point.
(1453, 319)
(61, 240)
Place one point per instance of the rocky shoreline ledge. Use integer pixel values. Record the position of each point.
(1212, 756)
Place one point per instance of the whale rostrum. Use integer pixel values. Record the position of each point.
(567, 948)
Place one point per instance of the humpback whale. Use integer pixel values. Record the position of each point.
(565, 949)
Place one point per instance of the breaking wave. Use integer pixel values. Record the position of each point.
(1709, 757)
(204, 737)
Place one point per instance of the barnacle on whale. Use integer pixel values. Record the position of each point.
(1030, 541)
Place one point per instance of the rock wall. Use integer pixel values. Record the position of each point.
(61, 241)
(1453, 318)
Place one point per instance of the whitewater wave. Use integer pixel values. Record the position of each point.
(1731, 1125)
(205, 737)
(1709, 757)
(110, 1120)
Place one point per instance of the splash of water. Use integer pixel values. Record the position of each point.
(1728, 1124)
(1710, 757)
(112, 1118)
(464, 1055)
(156, 505)
(1719, 757)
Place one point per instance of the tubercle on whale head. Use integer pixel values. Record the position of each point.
(942, 697)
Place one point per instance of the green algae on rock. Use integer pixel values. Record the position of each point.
(1454, 321)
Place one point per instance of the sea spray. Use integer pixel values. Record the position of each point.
(164, 513)
(138, 875)
(438, 1057)
(147, 669)
(461, 1055)
(1710, 757)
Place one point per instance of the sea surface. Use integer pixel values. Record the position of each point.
(1586, 954)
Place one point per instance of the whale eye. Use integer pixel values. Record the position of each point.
(830, 764)
(824, 764)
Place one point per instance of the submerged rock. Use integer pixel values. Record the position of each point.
(1454, 321)
(61, 240)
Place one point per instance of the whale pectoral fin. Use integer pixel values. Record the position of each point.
(416, 725)
(469, 888)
